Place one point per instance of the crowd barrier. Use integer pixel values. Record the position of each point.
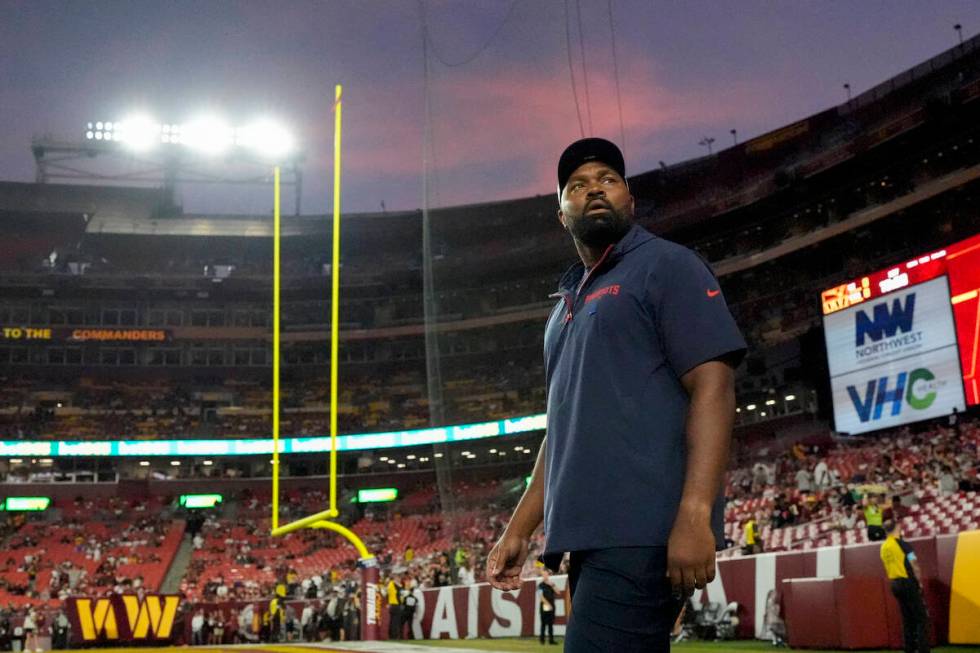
(834, 597)
(841, 587)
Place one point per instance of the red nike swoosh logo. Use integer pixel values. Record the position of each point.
(712, 293)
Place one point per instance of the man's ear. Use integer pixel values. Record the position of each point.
(561, 219)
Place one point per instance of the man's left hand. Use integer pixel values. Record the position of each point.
(690, 554)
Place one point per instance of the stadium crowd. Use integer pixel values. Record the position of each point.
(89, 408)
(243, 585)
(853, 483)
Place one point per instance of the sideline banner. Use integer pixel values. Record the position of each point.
(122, 618)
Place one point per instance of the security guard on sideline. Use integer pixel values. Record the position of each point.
(903, 572)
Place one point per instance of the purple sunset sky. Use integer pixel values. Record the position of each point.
(687, 69)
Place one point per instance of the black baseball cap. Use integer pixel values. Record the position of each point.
(585, 150)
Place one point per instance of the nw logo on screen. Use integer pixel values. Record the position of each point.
(885, 323)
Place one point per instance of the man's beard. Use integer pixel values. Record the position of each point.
(599, 231)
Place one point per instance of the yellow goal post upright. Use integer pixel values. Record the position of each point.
(370, 622)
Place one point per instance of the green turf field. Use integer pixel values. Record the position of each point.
(508, 645)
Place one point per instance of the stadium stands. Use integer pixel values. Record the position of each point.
(97, 546)
(781, 217)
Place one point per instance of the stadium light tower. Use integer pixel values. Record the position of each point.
(205, 150)
(959, 32)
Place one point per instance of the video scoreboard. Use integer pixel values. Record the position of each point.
(902, 343)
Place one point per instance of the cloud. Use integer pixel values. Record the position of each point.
(504, 128)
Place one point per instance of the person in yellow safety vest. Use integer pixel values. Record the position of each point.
(277, 614)
(394, 608)
(753, 540)
(873, 517)
(265, 633)
(902, 569)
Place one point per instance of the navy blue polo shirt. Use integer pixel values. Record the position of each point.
(648, 312)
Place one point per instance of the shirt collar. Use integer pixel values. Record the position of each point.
(633, 238)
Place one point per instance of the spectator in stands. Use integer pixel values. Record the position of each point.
(897, 510)
(971, 483)
(17, 636)
(277, 614)
(954, 420)
(753, 539)
(822, 477)
(217, 635)
(60, 631)
(948, 484)
(804, 480)
(547, 596)
(6, 627)
(845, 497)
(410, 602)
(783, 512)
(393, 590)
(333, 614)
(846, 518)
(197, 628)
(292, 623)
(441, 576)
(31, 627)
(465, 574)
(760, 477)
(307, 623)
(352, 616)
(266, 633)
(231, 627)
(902, 569)
(874, 518)
(250, 623)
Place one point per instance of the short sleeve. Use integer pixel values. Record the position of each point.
(693, 319)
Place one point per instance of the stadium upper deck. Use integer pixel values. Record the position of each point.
(119, 283)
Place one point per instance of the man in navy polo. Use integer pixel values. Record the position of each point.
(640, 352)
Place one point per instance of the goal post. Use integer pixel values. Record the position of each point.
(367, 564)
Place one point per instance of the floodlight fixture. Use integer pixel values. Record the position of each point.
(137, 132)
(265, 138)
(208, 134)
